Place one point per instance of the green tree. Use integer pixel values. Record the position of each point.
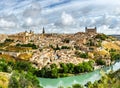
(70, 67)
(64, 68)
(89, 85)
(100, 62)
(54, 72)
(3, 65)
(13, 82)
(77, 86)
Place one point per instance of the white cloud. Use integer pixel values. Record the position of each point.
(33, 11)
(6, 24)
(76, 14)
(67, 19)
(107, 30)
(28, 21)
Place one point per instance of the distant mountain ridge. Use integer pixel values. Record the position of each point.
(116, 36)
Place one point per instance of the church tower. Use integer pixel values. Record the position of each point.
(43, 31)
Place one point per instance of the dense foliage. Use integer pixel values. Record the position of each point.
(115, 55)
(82, 55)
(77, 86)
(111, 80)
(8, 40)
(58, 47)
(100, 62)
(22, 74)
(65, 69)
(23, 80)
(101, 36)
(33, 46)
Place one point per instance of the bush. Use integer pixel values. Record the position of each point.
(101, 36)
(82, 55)
(22, 74)
(77, 86)
(27, 45)
(65, 47)
(64, 70)
(9, 40)
(100, 62)
(115, 56)
(23, 80)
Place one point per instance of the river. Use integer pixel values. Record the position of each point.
(81, 79)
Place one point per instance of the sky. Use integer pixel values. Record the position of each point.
(59, 16)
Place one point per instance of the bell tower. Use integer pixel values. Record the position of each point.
(43, 31)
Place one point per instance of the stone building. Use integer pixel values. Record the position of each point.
(90, 30)
(22, 36)
(2, 37)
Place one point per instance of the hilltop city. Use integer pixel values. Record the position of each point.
(26, 56)
(47, 48)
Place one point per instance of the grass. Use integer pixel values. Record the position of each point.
(4, 79)
(110, 45)
(25, 56)
(7, 57)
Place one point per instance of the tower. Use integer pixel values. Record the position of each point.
(43, 31)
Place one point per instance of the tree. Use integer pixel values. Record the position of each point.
(77, 69)
(3, 65)
(9, 40)
(54, 72)
(77, 86)
(23, 65)
(23, 80)
(13, 82)
(82, 55)
(101, 36)
(33, 46)
(89, 85)
(100, 62)
(87, 67)
(70, 67)
(115, 56)
(65, 47)
(64, 68)
(53, 66)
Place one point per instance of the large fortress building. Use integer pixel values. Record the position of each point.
(90, 30)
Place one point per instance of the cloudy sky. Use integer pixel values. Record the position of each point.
(59, 16)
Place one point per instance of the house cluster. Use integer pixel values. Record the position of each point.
(22, 36)
(55, 48)
(48, 42)
(25, 37)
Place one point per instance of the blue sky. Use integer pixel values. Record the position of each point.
(59, 16)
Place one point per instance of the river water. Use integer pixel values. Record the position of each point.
(81, 79)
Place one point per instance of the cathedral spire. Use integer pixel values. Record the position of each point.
(43, 31)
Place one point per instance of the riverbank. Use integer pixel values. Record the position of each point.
(81, 79)
(111, 80)
(70, 69)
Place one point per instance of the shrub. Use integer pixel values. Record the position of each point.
(77, 86)
(100, 62)
(82, 55)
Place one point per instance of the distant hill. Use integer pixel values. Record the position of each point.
(116, 36)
